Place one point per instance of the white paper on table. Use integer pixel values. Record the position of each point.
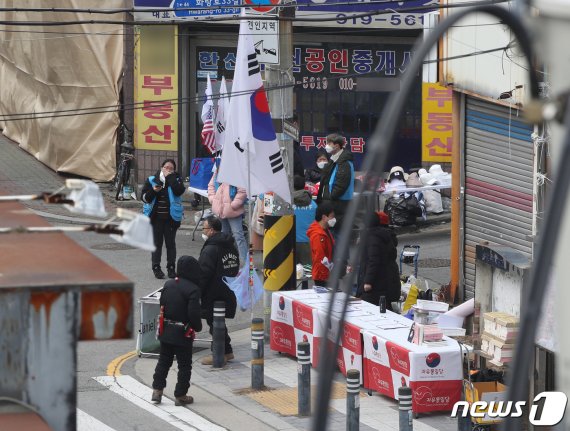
(448, 321)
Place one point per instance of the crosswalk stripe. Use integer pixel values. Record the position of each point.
(86, 422)
(140, 394)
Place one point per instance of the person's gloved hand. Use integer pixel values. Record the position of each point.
(327, 264)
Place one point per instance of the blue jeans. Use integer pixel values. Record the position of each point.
(235, 227)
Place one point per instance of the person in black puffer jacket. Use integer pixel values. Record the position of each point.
(219, 258)
(379, 274)
(181, 301)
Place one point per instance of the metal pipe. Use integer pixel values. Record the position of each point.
(304, 378)
(405, 408)
(257, 353)
(353, 400)
(219, 334)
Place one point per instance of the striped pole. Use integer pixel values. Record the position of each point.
(352, 400)
(257, 361)
(304, 378)
(279, 253)
(219, 334)
(405, 407)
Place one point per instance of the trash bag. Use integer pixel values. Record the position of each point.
(240, 286)
(402, 210)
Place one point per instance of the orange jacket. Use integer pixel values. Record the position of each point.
(322, 243)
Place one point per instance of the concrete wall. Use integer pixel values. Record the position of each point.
(486, 74)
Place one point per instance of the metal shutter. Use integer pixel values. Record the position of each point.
(499, 167)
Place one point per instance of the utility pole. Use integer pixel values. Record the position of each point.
(281, 107)
(281, 101)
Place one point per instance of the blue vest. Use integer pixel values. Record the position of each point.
(347, 195)
(304, 216)
(176, 208)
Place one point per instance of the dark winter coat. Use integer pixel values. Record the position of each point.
(181, 297)
(379, 267)
(313, 175)
(211, 284)
(297, 160)
(148, 194)
(343, 180)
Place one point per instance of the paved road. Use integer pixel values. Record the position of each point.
(100, 398)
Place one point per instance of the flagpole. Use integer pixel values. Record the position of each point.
(249, 230)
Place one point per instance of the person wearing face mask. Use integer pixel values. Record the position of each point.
(322, 243)
(162, 198)
(337, 180)
(313, 175)
(218, 258)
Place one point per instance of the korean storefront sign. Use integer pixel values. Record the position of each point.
(156, 89)
(398, 15)
(437, 123)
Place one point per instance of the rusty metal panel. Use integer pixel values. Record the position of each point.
(47, 259)
(51, 359)
(106, 314)
(13, 343)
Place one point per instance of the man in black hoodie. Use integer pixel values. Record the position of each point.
(219, 258)
(180, 302)
(337, 178)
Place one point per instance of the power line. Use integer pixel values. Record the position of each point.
(261, 18)
(186, 100)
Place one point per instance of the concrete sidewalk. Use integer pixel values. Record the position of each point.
(228, 390)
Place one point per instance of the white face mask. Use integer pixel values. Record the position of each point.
(321, 165)
(162, 177)
(332, 222)
(329, 148)
(205, 237)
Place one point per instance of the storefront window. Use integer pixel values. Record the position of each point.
(339, 88)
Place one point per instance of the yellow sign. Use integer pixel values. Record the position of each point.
(156, 88)
(437, 123)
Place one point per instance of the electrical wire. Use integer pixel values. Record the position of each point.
(418, 9)
(142, 9)
(186, 100)
(379, 147)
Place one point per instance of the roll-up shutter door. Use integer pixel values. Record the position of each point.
(499, 166)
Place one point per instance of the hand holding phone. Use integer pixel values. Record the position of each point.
(157, 188)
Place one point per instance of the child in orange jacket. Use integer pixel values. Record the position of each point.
(322, 243)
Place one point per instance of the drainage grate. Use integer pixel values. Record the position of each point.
(112, 246)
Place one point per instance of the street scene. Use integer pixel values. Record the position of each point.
(267, 215)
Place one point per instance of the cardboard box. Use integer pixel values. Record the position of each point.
(485, 391)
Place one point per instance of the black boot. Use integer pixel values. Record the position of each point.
(171, 271)
(157, 272)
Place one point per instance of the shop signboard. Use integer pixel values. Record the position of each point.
(437, 123)
(328, 97)
(393, 14)
(398, 14)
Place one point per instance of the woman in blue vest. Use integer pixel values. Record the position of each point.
(162, 197)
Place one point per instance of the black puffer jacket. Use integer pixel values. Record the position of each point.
(341, 183)
(379, 267)
(181, 296)
(212, 286)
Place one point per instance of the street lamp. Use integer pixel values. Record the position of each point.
(83, 197)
